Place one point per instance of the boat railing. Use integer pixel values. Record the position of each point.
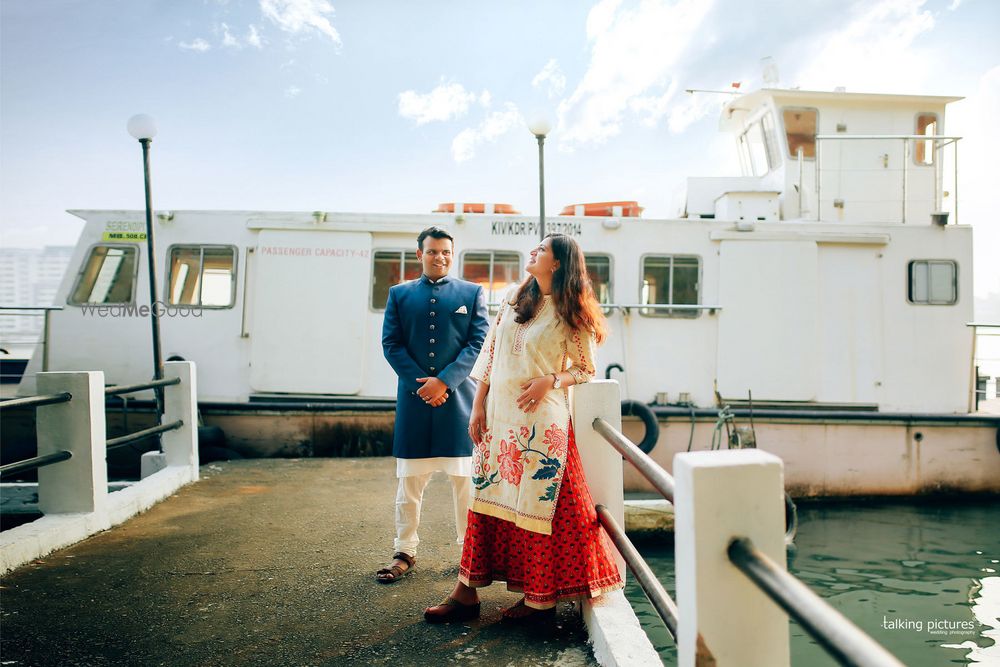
(935, 145)
(72, 450)
(36, 462)
(35, 337)
(725, 502)
(656, 307)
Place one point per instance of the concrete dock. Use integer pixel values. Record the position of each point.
(266, 562)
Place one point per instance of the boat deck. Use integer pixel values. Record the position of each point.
(266, 562)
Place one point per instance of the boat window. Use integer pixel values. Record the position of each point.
(933, 282)
(753, 139)
(744, 152)
(495, 270)
(599, 270)
(670, 280)
(771, 141)
(800, 130)
(202, 275)
(392, 267)
(108, 275)
(926, 127)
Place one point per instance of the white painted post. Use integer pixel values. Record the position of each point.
(616, 637)
(602, 464)
(180, 401)
(718, 496)
(79, 484)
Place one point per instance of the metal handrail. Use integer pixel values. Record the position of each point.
(647, 467)
(651, 306)
(42, 308)
(841, 638)
(916, 137)
(35, 462)
(44, 311)
(651, 586)
(35, 401)
(141, 435)
(940, 142)
(115, 390)
(662, 306)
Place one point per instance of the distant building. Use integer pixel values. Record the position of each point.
(28, 277)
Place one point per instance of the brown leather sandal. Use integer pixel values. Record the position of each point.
(535, 616)
(393, 573)
(452, 610)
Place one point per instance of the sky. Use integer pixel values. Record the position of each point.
(393, 106)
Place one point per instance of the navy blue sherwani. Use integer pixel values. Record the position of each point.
(434, 330)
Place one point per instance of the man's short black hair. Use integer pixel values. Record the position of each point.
(433, 232)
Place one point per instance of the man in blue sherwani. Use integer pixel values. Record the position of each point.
(433, 330)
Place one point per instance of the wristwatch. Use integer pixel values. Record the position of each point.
(558, 383)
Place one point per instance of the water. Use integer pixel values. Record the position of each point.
(897, 570)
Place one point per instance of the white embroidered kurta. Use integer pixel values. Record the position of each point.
(518, 467)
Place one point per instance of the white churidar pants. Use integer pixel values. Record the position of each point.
(409, 497)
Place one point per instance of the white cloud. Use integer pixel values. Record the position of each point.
(485, 98)
(302, 16)
(198, 45)
(227, 38)
(975, 120)
(653, 107)
(553, 76)
(447, 101)
(496, 124)
(873, 51)
(253, 38)
(954, 5)
(292, 92)
(634, 57)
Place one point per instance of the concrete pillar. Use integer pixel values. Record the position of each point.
(81, 483)
(721, 495)
(602, 464)
(180, 401)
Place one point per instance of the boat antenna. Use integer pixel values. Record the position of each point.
(691, 91)
(769, 72)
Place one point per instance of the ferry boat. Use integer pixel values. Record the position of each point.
(823, 294)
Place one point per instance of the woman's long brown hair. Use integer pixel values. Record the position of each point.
(572, 293)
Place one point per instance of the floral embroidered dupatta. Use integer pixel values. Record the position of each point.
(518, 467)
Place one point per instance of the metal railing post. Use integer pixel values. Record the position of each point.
(906, 162)
(79, 484)
(719, 495)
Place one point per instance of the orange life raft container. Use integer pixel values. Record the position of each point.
(629, 209)
(449, 207)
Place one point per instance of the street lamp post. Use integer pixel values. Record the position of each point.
(143, 128)
(541, 127)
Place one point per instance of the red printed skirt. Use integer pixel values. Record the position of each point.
(573, 562)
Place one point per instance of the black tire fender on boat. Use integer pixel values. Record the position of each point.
(791, 520)
(633, 408)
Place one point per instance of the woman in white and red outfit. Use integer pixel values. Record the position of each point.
(533, 522)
